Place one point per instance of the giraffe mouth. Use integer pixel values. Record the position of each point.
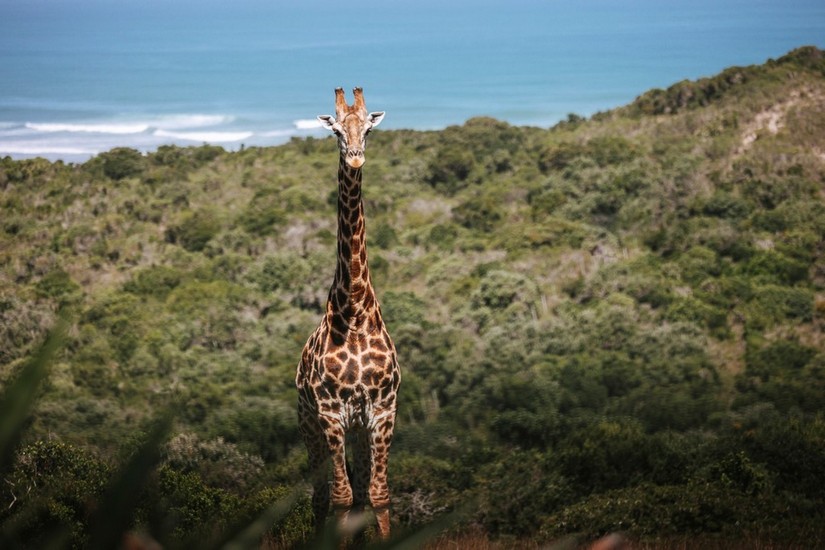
(355, 159)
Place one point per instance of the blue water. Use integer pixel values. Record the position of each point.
(79, 77)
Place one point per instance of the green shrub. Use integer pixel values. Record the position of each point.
(443, 236)
(546, 201)
(170, 155)
(213, 313)
(194, 230)
(479, 213)
(607, 150)
(22, 323)
(219, 464)
(738, 472)
(780, 358)
(519, 403)
(773, 266)
(264, 213)
(800, 244)
(207, 153)
(157, 281)
(401, 308)
(558, 157)
(25, 170)
(645, 278)
(291, 531)
(450, 168)
(650, 510)
(281, 272)
(122, 162)
(772, 191)
(725, 292)
(516, 492)
(300, 281)
(698, 264)
(53, 485)
(262, 425)
(503, 297)
(195, 510)
(723, 204)
(59, 286)
(689, 95)
(679, 407)
(604, 455)
(697, 311)
(116, 318)
(772, 304)
(423, 487)
(793, 452)
(384, 236)
(785, 374)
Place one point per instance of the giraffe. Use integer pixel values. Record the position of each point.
(348, 376)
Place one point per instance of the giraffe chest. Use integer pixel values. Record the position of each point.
(355, 383)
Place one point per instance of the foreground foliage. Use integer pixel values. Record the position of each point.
(614, 324)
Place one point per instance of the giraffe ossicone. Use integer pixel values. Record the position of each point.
(348, 375)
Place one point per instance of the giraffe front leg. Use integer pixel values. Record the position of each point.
(320, 486)
(341, 489)
(379, 489)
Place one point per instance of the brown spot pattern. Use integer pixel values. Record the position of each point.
(348, 376)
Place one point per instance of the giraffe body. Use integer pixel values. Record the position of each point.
(348, 376)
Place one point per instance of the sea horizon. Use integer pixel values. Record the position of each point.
(84, 78)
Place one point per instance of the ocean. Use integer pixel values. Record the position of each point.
(78, 77)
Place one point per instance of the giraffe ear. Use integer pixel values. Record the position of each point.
(375, 118)
(327, 122)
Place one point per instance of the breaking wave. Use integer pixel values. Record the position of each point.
(78, 140)
(119, 129)
(207, 137)
(307, 124)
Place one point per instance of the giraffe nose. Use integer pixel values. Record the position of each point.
(355, 157)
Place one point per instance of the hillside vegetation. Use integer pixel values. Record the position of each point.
(611, 325)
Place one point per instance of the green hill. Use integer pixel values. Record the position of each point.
(612, 324)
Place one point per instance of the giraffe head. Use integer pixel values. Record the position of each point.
(351, 124)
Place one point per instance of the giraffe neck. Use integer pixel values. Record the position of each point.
(351, 307)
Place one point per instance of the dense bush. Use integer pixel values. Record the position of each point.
(194, 230)
(263, 214)
(123, 163)
(449, 170)
(220, 464)
(21, 325)
(53, 484)
(157, 281)
(649, 510)
(479, 213)
(612, 324)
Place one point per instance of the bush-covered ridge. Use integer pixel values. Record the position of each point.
(731, 82)
(613, 324)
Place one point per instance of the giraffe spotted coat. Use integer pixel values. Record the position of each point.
(348, 376)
